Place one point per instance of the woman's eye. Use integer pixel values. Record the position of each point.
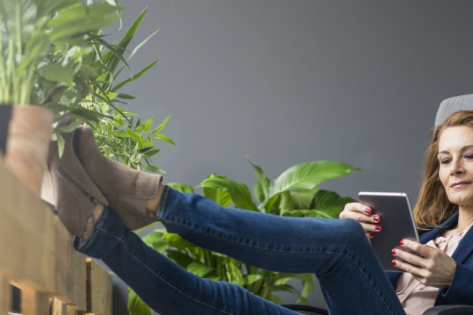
(445, 161)
(469, 156)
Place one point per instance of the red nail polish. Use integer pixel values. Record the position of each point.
(368, 211)
(376, 219)
(393, 252)
(378, 227)
(401, 242)
(393, 263)
(371, 234)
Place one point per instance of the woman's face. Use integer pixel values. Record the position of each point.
(456, 164)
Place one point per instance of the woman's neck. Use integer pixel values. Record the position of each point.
(465, 218)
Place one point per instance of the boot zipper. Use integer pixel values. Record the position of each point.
(93, 200)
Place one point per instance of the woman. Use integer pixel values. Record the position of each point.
(85, 187)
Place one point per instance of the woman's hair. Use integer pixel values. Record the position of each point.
(433, 206)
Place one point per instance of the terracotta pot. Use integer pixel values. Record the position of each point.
(29, 133)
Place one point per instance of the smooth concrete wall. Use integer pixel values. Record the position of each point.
(287, 82)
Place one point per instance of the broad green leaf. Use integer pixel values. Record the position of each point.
(152, 152)
(328, 213)
(154, 169)
(272, 205)
(275, 299)
(265, 183)
(199, 269)
(302, 200)
(307, 176)
(239, 193)
(290, 288)
(286, 202)
(234, 272)
(249, 279)
(306, 278)
(179, 258)
(165, 138)
(156, 240)
(177, 241)
(221, 197)
(326, 199)
(258, 192)
(181, 187)
(57, 73)
(136, 306)
(161, 126)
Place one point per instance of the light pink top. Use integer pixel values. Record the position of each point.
(416, 297)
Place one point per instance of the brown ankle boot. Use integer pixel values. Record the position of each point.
(67, 186)
(127, 190)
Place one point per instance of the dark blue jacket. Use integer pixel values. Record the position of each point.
(461, 289)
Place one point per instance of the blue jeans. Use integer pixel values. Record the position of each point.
(337, 251)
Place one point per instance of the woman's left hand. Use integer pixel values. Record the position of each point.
(434, 268)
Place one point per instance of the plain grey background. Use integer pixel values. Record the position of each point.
(287, 82)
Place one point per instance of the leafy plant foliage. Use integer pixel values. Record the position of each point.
(294, 193)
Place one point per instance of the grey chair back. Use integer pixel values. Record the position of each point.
(453, 104)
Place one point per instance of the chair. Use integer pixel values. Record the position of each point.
(446, 108)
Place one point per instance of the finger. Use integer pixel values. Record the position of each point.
(423, 250)
(414, 270)
(370, 234)
(367, 227)
(409, 258)
(360, 217)
(358, 207)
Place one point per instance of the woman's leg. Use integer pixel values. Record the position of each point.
(337, 251)
(164, 286)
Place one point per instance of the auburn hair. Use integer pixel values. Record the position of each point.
(433, 206)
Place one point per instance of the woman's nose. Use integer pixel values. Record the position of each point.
(456, 167)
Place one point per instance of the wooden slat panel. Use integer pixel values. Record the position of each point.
(58, 307)
(27, 234)
(34, 302)
(99, 294)
(71, 270)
(5, 296)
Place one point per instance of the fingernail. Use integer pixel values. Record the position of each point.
(368, 210)
(401, 242)
(393, 263)
(393, 251)
(378, 227)
(371, 234)
(376, 219)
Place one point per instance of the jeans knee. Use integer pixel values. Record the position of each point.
(351, 229)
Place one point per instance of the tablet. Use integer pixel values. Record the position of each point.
(397, 223)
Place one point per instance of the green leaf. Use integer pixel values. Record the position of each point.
(154, 169)
(141, 44)
(258, 192)
(286, 202)
(275, 299)
(307, 176)
(177, 241)
(152, 152)
(136, 306)
(146, 126)
(165, 138)
(69, 128)
(239, 193)
(303, 200)
(249, 279)
(136, 76)
(327, 199)
(306, 278)
(221, 197)
(57, 73)
(199, 269)
(179, 258)
(328, 213)
(60, 143)
(133, 134)
(181, 187)
(157, 129)
(126, 96)
(265, 183)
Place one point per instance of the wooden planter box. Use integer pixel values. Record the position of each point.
(36, 255)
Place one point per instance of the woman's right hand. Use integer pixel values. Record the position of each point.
(362, 214)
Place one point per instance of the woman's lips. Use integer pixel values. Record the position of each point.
(460, 184)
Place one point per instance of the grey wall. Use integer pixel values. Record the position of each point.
(293, 81)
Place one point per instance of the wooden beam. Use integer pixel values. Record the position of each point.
(58, 307)
(99, 289)
(5, 296)
(34, 302)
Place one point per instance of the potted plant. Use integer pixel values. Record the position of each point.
(33, 34)
(294, 193)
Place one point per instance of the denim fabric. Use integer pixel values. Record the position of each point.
(337, 251)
